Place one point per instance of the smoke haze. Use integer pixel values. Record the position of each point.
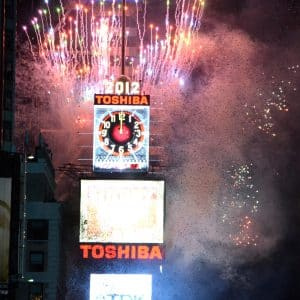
(210, 131)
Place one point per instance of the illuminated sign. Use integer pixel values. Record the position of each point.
(120, 287)
(121, 99)
(121, 87)
(121, 133)
(122, 211)
(153, 252)
(5, 211)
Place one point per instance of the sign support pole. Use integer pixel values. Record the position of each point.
(123, 36)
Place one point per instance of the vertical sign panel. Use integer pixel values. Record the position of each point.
(5, 211)
(121, 133)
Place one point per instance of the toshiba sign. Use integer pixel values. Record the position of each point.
(153, 252)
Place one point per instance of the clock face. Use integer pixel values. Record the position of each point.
(121, 133)
(121, 137)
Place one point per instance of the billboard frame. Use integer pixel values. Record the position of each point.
(127, 152)
(124, 177)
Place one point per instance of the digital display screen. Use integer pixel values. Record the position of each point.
(121, 134)
(121, 286)
(122, 211)
(5, 212)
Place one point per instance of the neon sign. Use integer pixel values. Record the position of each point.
(142, 252)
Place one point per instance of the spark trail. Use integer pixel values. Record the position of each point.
(83, 44)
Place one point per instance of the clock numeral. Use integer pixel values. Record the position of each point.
(106, 141)
(104, 132)
(106, 124)
(121, 149)
(136, 125)
(113, 118)
(135, 142)
(113, 148)
(129, 147)
(122, 116)
(137, 133)
(130, 118)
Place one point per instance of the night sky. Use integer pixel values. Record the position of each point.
(226, 137)
(246, 46)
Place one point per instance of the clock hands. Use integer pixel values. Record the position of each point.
(121, 126)
(121, 119)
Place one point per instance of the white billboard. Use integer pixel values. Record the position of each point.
(120, 287)
(122, 211)
(5, 211)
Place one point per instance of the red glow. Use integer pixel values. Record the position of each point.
(121, 134)
(99, 251)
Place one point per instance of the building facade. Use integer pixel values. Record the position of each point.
(7, 73)
(29, 215)
(40, 223)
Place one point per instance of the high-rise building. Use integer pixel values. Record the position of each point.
(7, 80)
(40, 227)
(10, 162)
(29, 215)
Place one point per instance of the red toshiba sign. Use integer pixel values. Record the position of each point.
(97, 251)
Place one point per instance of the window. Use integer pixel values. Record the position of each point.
(8, 104)
(36, 261)
(9, 40)
(7, 131)
(37, 230)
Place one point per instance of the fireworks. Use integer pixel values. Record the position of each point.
(244, 193)
(245, 235)
(270, 101)
(83, 44)
(240, 205)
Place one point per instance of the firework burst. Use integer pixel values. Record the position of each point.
(271, 100)
(239, 206)
(83, 45)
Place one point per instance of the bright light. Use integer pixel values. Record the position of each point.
(120, 286)
(98, 45)
(122, 211)
(161, 269)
